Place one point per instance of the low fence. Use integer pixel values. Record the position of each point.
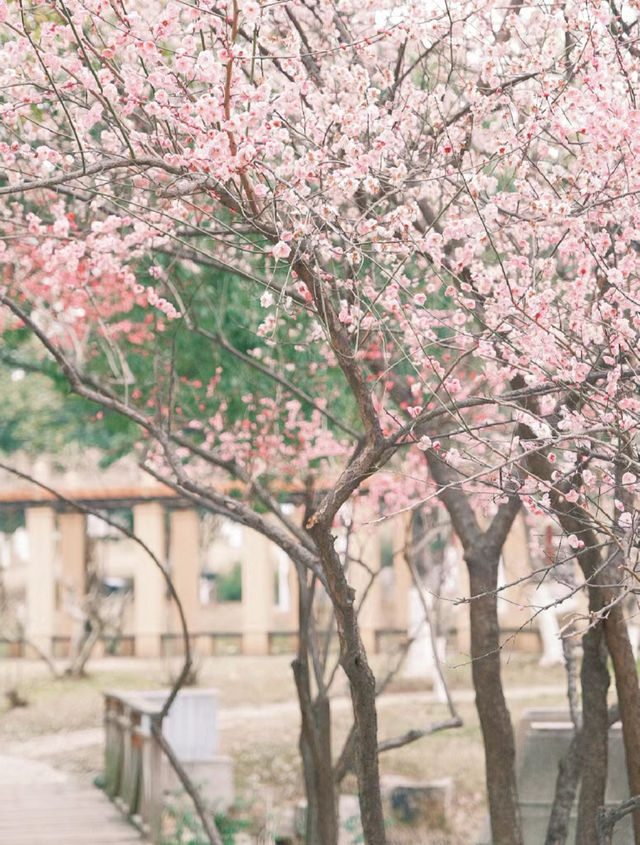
(133, 760)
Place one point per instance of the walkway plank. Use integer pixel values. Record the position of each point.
(40, 805)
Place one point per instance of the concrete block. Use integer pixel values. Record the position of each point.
(191, 725)
(413, 802)
(192, 731)
(544, 737)
(214, 778)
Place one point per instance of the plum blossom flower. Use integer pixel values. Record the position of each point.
(625, 520)
(251, 11)
(267, 326)
(281, 250)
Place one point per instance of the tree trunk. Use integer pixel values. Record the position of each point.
(77, 666)
(363, 696)
(611, 630)
(569, 771)
(570, 765)
(322, 825)
(495, 722)
(626, 677)
(362, 685)
(595, 733)
(315, 749)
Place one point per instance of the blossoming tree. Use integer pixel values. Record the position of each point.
(434, 202)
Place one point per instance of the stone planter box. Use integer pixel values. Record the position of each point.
(544, 736)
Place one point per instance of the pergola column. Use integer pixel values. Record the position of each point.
(73, 556)
(184, 559)
(402, 578)
(41, 577)
(150, 606)
(257, 593)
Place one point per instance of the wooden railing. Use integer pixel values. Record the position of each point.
(133, 760)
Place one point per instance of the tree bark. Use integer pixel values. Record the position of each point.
(363, 696)
(482, 556)
(495, 722)
(570, 765)
(362, 684)
(569, 771)
(595, 733)
(609, 632)
(626, 677)
(322, 826)
(315, 749)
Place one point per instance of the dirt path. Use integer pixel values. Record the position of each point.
(230, 717)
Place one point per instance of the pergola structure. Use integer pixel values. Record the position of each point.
(170, 526)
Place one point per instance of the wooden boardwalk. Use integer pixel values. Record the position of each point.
(40, 805)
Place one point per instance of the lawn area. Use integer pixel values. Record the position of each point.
(258, 725)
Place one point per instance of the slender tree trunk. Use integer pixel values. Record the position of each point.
(322, 826)
(569, 771)
(570, 765)
(611, 633)
(495, 722)
(363, 696)
(594, 674)
(626, 677)
(362, 684)
(315, 749)
(595, 732)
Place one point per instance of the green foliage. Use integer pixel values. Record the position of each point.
(10, 520)
(386, 551)
(184, 365)
(39, 415)
(187, 828)
(229, 584)
(353, 828)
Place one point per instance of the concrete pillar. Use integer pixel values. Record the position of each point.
(150, 605)
(294, 590)
(421, 660)
(284, 588)
(461, 612)
(515, 564)
(73, 552)
(184, 561)
(41, 580)
(402, 580)
(257, 592)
